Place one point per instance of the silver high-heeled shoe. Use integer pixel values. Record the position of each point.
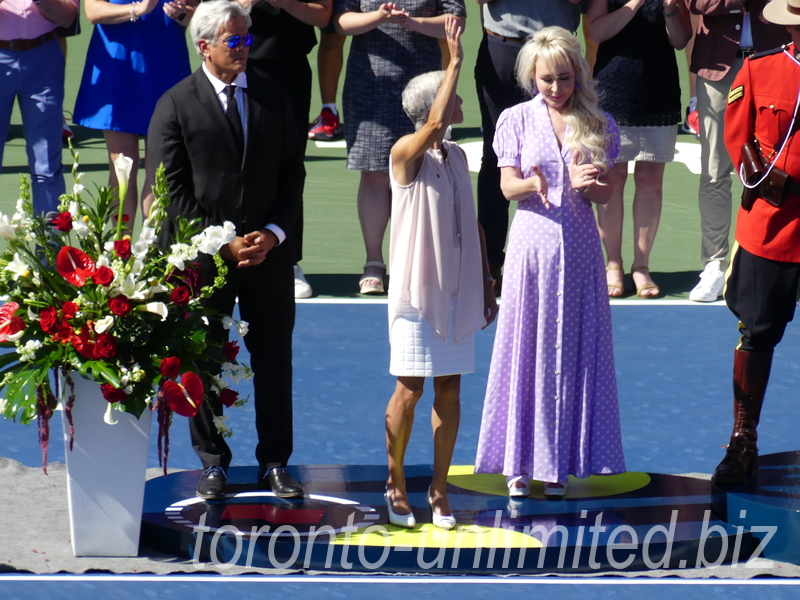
(408, 521)
(440, 521)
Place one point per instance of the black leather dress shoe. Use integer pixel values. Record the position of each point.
(280, 482)
(212, 483)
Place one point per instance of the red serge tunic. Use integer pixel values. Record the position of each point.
(760, 106)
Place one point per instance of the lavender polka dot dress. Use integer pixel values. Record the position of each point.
(551, 401)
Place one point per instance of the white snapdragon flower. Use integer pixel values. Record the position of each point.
(215, 237)
(139, 250)
(147, 235)
(18, 267)
(242, 327)
(219, 383)
(102, 261)
(104, 324)
(7, 230)
(219, 423)
(227, 323)
(109, 246)
(77, 188)
(81, 228)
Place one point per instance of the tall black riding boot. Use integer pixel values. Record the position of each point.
(750, 377)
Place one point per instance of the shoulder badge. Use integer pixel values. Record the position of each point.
(735, 94)
(758, 55)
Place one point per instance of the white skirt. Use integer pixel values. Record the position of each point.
(418, 351)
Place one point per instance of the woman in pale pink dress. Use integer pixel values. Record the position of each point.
(441, 289)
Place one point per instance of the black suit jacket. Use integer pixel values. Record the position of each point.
(207, 177)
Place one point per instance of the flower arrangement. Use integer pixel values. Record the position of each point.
(83, 298)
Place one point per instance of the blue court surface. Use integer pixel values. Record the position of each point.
(673, 363)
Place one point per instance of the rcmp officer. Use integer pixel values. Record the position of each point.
(762, 285)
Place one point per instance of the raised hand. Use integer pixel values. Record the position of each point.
(452, 33)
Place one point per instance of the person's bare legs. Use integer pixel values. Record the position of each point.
(445, 418)
(609, 223)
(399, 422)
(647, 200)
(374, 209)
(118, 143)
(330, 59)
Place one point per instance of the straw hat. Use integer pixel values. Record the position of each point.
(783, 12)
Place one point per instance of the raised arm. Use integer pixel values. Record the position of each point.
(679, 25)
(409, 149)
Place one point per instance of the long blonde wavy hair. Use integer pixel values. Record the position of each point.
(555, 46)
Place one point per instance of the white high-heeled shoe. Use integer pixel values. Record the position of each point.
(440, 521)
(408, 521)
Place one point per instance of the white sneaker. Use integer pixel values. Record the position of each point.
(712, 280)
(301, 287)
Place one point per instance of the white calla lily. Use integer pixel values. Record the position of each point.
(122, 167)
(108, 417)
(158, 308)
(104, 324)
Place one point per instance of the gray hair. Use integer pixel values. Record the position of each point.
(419, 95)
(213, 14)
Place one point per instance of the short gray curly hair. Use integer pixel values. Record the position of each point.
(419, 95)
(213, 14)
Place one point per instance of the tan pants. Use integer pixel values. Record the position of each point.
(715, 178)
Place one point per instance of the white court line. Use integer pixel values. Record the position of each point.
(393, 579)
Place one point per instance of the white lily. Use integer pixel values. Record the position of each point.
(104, 324)
(7, 230)
(158, 308)
(18, 267)
(122, 167)
(132, 289)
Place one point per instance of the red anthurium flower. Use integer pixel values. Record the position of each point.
(120, 305)
(230, 351)
(185, 398)
(111, 393)
(74, 265)
(63, 222)
(228, 397)
(63, 332)
(103, 276)
(170, 367)
(69, 309)
(48, 319)
(123, 248)
(9, 324)
(84, 344)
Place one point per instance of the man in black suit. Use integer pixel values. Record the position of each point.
(231, 154)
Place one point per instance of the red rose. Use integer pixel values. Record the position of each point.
(63, 222)
(69, 310)
(83, 343)
(103, 276)
(111, 393)
(230, 351)
(120, 305)
(123, 248)
(170, 367)
(48, 319)
(181, 295)
(105, 346)
(228, 397)
(125, 218)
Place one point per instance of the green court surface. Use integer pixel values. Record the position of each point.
(333, 248)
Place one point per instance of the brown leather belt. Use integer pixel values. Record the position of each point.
(516, 40)
(25, 45)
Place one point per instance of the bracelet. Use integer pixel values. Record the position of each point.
(133, 17)
(584, 189)
(672, 14)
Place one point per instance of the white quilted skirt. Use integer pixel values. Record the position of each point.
(418, 351)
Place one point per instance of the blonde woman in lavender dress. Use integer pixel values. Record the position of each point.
(551, 400)
(441, 289)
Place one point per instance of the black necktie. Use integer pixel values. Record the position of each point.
(233, 116)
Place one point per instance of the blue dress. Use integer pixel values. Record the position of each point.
(128, 67)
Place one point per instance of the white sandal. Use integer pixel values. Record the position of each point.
(370, 284)
(555, 490)
(520, 491)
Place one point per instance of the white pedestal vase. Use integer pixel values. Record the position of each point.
(106, 472)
